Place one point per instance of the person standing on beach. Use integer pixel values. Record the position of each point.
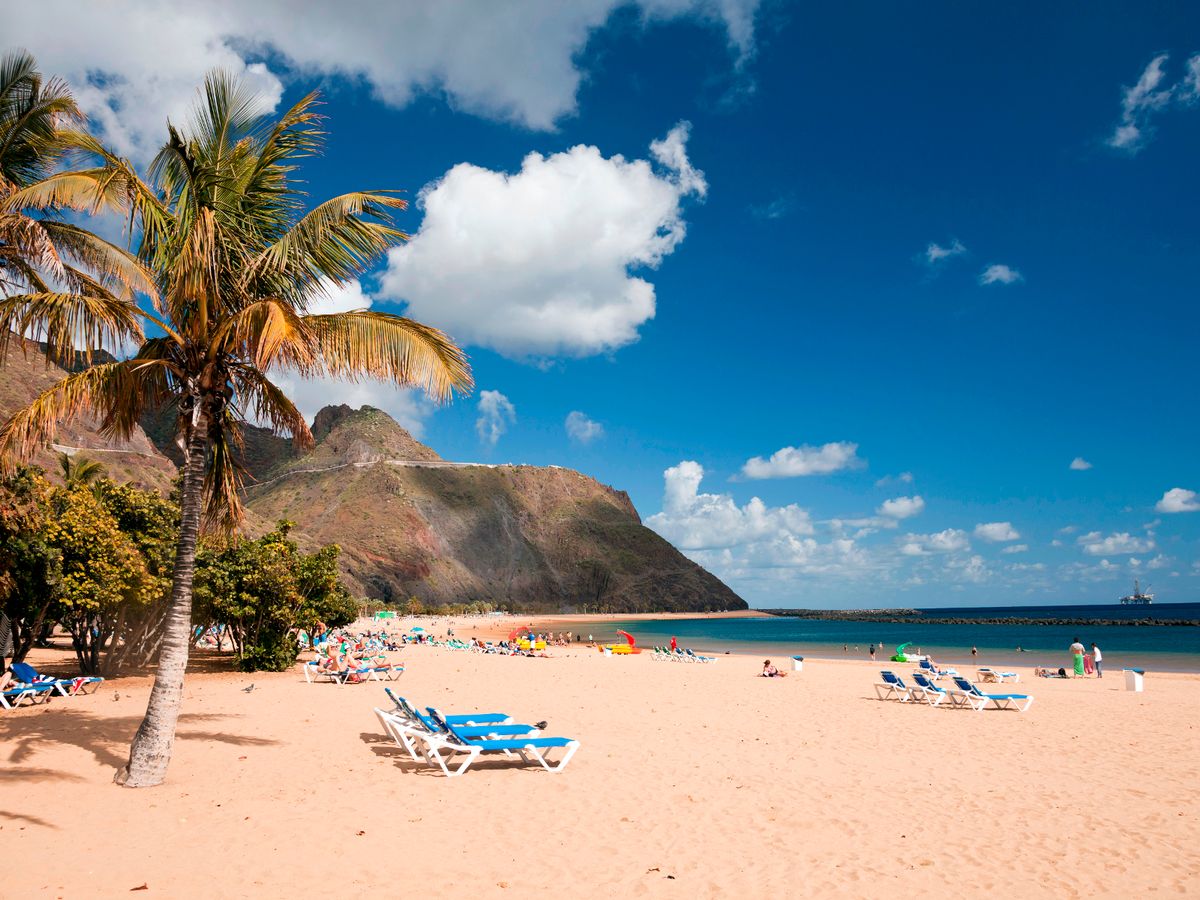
(974, 652)
(1077, 658)
(1096, 658)
(674, 644)
(872, 652)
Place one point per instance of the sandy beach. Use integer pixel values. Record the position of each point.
(692, 780)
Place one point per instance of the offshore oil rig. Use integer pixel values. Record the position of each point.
(1137, 598)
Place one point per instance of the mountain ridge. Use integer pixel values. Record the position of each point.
(410, 523)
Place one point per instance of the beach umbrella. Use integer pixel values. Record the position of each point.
(628, 637)
(416, 628)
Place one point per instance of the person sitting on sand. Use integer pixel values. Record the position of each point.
(769, 671)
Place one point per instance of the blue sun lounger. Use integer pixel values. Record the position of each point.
(442, 749)
(970, 695)
(405, 719)
(928, 691)
(22, 694)
(403, 706)
(65, 687)
(892, 688)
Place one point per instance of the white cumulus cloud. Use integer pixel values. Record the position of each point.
(541, 262)
(496, 413)
(1079, 464)
(936, 253)
(997, 273)
(1016, 548)
(1096, 544)
(1178, 500)
(901, 507)
(582, 429)
(518, 61)
(996, 532)
(948, 541)
(790, 462)
(695, 521)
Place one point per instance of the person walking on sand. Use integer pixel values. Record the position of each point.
(674, 644)
(974, 652)
(1097, 658)
(872, 652)
(1077, 658)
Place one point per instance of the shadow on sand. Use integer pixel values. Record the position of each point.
(107, 738)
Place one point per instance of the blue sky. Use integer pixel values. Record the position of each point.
(762, 231)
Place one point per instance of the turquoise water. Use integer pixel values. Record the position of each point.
(1165, 647)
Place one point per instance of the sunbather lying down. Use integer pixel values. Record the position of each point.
(769, 671)
(1047, 672)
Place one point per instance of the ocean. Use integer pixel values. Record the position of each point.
(1162, 647)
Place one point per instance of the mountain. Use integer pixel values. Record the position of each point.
(411, 524)
(26, 372)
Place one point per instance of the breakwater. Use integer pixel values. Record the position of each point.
(919, 617)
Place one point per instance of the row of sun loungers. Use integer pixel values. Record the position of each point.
(30, 687)
(314, 672)
(984, 674)
(964, 695)
(453, 743)
(681, 654)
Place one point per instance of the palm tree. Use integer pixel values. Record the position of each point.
(79, 471)
(44, 256)
(237, 264)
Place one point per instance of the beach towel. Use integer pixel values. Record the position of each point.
(1078, 664)
(1087, 664)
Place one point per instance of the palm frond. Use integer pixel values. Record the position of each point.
(392, 348)
(223, 481)
(110, 263)
(266, 402)
(116, 392)
(268, 332)
(66, 321)
(27, 239)
(336, 241)
(32, 111)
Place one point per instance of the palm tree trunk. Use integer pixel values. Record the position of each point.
(151, 750)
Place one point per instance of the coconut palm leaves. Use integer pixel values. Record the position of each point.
(59, 282)
(236, 271)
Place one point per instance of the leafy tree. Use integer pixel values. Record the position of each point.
(263, 590)
(102, 572)
(30, 568)
(151, 522)
(236, 266)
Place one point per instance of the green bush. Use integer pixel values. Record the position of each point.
(264, 590)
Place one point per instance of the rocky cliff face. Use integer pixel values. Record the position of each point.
(533, 538)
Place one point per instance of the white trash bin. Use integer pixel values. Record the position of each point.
(797, 663)
(1133, 680)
